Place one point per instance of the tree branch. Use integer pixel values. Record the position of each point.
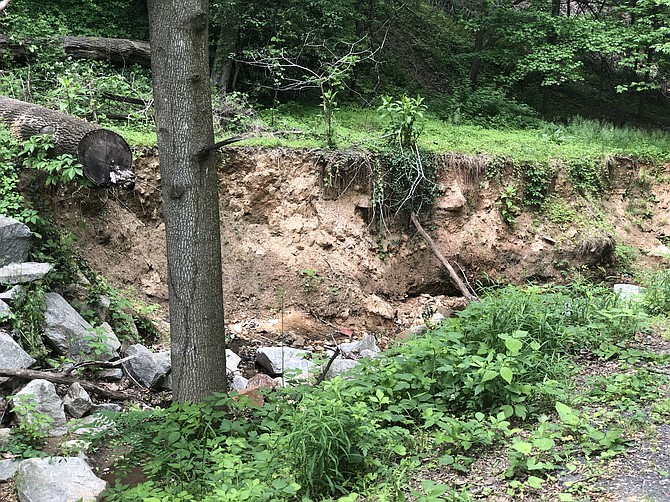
(58, 378)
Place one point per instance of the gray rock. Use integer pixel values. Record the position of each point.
(239, 382)
(628, 291)
(37, 400)
(56, 479)
(147, 369)
(5, 432)
(70, 335)
(4, 309)
(339, 366)
(375, 305)
(232, 361)
(15, 240)
(77, 402)
(110, 339)
(280, 360)
(8, 469)
(21, 273)
(11, 293)
(110, 374)
(369, 342)
(113, 407)
(12, 355)
(102, 308)
(92, 424)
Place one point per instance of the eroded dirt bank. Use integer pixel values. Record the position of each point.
(293, 243)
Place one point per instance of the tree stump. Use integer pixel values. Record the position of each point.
(105, 155)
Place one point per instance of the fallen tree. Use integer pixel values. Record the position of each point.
(104, 154)
(115, 50)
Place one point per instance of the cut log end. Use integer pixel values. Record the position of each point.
(106, 158)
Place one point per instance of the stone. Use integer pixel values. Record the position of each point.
(56, 479)
(4, 309)
(5, 432)
(261, 381)
(11, 293)
(628, 291)
(106, 407)
(77, 402)
(102, 308)
(339, 366)
(369, 343)
(232, 361)
(375, 305)
(12, 355)
(7, 469)
(70, 335)
(107, 337)
(37, 399)
(283, 360)
(453, 199)
(91, 424)
(147, 368)
(239, 383)
(21, 273)
(15, 241)
(110, 374)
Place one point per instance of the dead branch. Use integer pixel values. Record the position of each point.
(62, 379)
(455, 279)
(99, 364)
(327, 368)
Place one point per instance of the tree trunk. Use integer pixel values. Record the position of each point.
(182, 101)
(115, 50)
(105, 155)
(476, 61)
(222, 67)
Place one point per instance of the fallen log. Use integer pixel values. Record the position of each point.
(455, 279)
(105, 155)
(62, 379)
(115, 50)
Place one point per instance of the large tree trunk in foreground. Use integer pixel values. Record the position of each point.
(105, 155)
(115, 50)
(183, 105)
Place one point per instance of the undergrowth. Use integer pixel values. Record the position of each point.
(501, 374)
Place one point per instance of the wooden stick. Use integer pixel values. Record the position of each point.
(58, 378)
(455, 279)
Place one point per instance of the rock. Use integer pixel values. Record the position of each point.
(12, 355)
(282, 360)
(37, 400)
(413, 331)
(239, 383)
(102, 308)
(375, 305)
(369, 343)
(77, 402)
(70, 335)
(661, 250)
(109, 339)
(110, 374)
(15, 240)
(92, 424)
(147, 368)
(21, 273)
(339, 366)
(57, 479)
(370, 354)
(7, 469)
(11, 293)
(232, 361)
(261, 381)
(105, 407)
(453, 199)
(5, 432)
(4, 309)
(628, 291)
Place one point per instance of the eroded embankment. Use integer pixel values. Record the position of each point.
(298, 233)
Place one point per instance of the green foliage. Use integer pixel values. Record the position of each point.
(404, 119)
(28, 320)
(588, 176)
(509, 203)
(60, 170)
(537, 178)
(28, 437)
(559, 212)
(12, 202)
(656, 298)
(310, 279)
(492, 107)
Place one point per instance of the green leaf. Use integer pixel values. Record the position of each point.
(543, 444)
(513, 345)
(535, 482)
(523, 447)
(489, 375)
(506, 374)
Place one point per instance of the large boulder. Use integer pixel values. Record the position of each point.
(146, 367)
(57, 479)
(15, 240)
(77, 402)
(21, 273)
(39, 405)
(70, 335)
(12, 355)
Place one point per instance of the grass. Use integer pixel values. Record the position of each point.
(362, 128)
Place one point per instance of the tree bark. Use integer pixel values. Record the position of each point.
(105, 155)
(115, 50)
(182, 101)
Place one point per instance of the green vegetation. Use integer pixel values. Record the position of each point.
(500, 375)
